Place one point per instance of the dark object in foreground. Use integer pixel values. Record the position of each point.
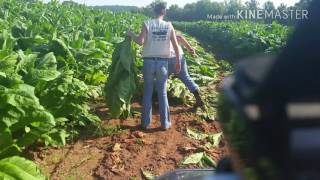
(200, 174)
(270, 111)
(274, 104)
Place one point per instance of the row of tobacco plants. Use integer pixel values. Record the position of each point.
(235, 40)
(53, 63)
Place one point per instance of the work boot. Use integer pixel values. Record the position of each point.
(199, 102)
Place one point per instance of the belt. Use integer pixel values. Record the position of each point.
(155, 59)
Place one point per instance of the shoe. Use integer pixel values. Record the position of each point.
(199, 102)
(165, 129)
(143, 128)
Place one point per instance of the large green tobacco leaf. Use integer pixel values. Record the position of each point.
(26, 62)
(60, 48)
(177, 89)
(193, 159)
(25, 42)
(147, 174)
(93, 65)
(7, 64)
(18, 168)
(20, 109)
(36, 69)
(68, 97)
(19, 29)
(121, 83)
(201, 159)
(213, 140)
(62, 52)
(6, 40)
(196, 135)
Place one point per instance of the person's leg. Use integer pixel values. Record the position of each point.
(171, 66)
(190, 84)
(148, 78)
(162, 77)
(171, 70)
(185, 77)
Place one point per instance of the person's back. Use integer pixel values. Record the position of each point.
(157, 43)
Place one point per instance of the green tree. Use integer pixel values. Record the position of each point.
(195, 11)
(269, 7)
(217, 8)
(174, 12)
(282, 8)
(203, 7)
(232, 6)
(252, 4)
(148, 10)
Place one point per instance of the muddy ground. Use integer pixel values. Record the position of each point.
(125, 152)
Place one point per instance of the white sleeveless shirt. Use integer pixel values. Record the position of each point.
(157, 43)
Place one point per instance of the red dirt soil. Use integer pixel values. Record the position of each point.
(121, 156)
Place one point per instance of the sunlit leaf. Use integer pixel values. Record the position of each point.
(147, 174)
(193, 158)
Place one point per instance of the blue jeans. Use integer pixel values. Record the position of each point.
(155, 70)
(184, 74)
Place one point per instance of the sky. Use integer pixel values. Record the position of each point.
(181, 3)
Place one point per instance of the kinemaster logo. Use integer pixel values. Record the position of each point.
(260, 14)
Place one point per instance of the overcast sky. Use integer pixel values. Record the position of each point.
(181, 3)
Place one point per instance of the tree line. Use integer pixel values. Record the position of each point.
(204, 9)
(210, 10)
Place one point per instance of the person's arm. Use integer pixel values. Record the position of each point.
(141, 37)
(174, 42)
(186, 44)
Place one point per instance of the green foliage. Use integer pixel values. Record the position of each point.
(109, 131)
(177, 89)
(22, 119)
(200, 10)
(7, 62)
(122, 80)
(212, 140)
(118, 8)
(196, 135)
(235, 40)
(193, 159)
(18, 168)
(147, 174)
(200, 158)
(53, 59)
(67, 97)
(205, 70)
(35, 70)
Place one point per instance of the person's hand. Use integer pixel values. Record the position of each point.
(193, 53)
(178, 67)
